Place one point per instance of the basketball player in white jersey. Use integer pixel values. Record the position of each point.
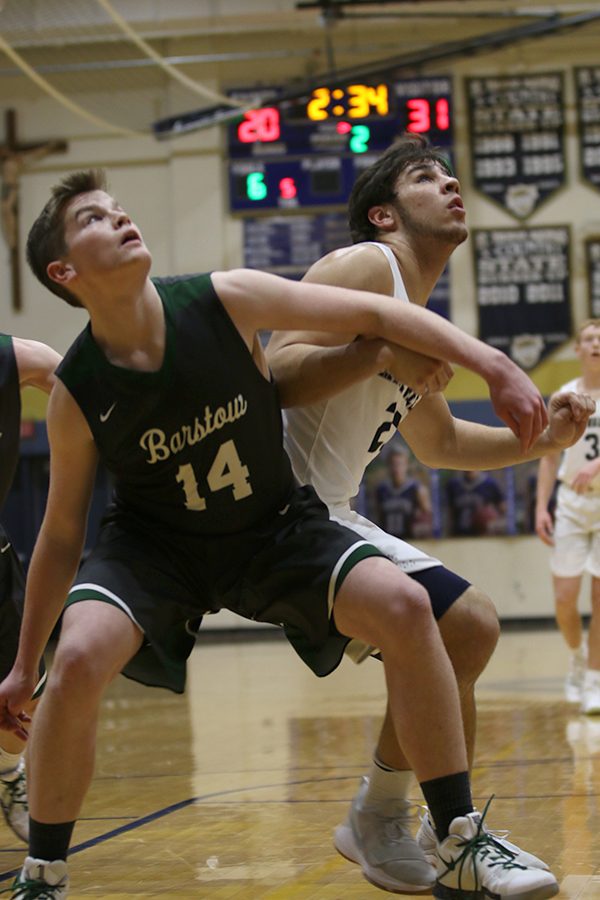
(406, 217)
(575, 534)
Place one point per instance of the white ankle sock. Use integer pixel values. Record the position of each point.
(9, 765)
(387, 784)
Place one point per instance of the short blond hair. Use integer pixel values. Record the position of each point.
(587, 323)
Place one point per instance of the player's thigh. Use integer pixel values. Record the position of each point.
(444, 587)
(569, 555)
(572, 536)
(474, 615)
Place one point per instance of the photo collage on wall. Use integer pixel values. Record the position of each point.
(414, 502)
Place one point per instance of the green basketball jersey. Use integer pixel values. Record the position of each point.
(197, 446)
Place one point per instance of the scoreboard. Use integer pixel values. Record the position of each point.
(308, 152)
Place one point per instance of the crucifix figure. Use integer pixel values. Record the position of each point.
(14, 158)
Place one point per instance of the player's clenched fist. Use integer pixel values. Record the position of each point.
(568, 417)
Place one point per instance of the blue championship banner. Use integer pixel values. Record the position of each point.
(523, 290)
(516, 127)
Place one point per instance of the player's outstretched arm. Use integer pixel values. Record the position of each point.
(36, 363)
(73, 461)
(256, 300)
(441, 441)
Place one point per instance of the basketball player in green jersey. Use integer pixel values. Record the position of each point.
(23, 363)
(406, 217)
(168, 386)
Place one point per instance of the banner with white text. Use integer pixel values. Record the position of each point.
(523, 290)
(517, 138)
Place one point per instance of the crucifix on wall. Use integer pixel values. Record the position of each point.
(14, 158)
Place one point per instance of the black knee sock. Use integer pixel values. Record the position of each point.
(447, 798)
(49, 842)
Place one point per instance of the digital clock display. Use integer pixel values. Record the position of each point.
(357, 101)
(308, 152)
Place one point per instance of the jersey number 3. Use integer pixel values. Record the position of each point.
(227, 470)
(592, 453)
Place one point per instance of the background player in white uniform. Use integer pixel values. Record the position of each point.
(575, 536)
(406, 217)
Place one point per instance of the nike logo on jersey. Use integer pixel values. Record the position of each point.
(105, 416)
(283, 511)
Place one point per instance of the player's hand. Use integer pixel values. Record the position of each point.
(544, 527)
(568, 417)
(423, 374)
(15, 692)
(585, 476)
(517, 401)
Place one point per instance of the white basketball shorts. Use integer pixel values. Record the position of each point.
(576, 534)
(406, 557)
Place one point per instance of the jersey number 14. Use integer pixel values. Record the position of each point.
(227, 470)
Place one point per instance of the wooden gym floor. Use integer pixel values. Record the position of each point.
(233, 790)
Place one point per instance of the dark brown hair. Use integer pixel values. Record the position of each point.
(375, 185)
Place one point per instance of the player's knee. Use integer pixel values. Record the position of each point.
(566, 599)
(485, 626)
(470, 631)
(78, 673)
(406, 613)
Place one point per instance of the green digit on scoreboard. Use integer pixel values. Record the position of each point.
(359, 140)
(255, 186)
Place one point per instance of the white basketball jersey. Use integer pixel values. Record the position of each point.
(586, 448)
(331, 443)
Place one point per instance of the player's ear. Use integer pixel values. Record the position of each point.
(382, 217)
(60, 271)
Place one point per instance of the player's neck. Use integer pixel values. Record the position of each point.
(590, 381)
(420, 267)
(132, 332)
